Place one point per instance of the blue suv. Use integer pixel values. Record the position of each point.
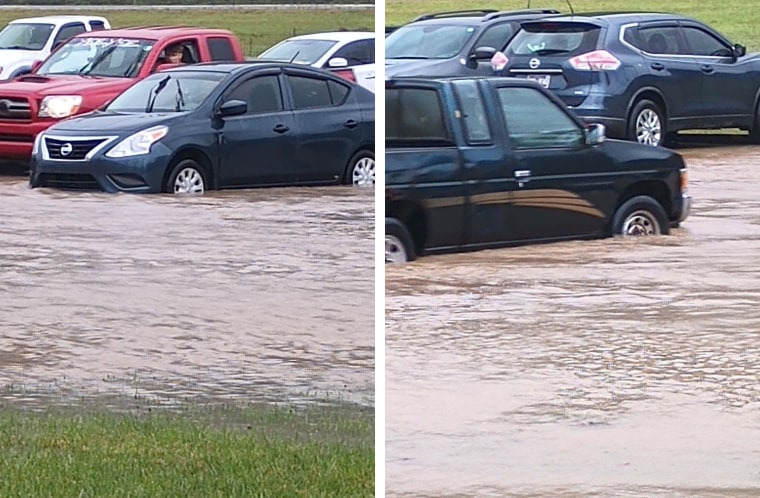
(645, 76)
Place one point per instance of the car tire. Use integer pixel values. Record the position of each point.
(361, 169)
(754, 132)
(186, 178)
(399, 247)
(640, 215)
(646, 124)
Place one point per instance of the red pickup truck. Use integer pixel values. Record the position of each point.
(91, 69)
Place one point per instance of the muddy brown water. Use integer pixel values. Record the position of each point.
(245, 295)
(592, 368)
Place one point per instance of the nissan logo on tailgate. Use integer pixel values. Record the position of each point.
(66, 149)
(534, 63)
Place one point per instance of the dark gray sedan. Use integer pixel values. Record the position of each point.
(213, 126)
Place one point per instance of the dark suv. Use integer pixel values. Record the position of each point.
(459, 43)
(643, 75)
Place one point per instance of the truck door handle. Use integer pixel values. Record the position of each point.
(707, 69)
(350, 123)
(658, 66)
(522, 173)
(280, 128)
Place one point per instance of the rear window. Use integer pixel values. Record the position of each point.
(549, 38)
(221, 49)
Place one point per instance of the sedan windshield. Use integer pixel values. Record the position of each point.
(25, 36)
(91, 56)
(170, 91)
(298, 51)
(427, 42)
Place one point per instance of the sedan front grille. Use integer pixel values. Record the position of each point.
(68, 181)
(71, 150)
(15, 108)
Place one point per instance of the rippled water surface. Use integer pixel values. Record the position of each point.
(595, 368)
(263, 294)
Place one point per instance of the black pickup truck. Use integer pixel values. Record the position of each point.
(485, 162)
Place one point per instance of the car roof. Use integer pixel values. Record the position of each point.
(154, 32)
(234, 67)
(474, 17)
(443, 79)
(338, 36)
(617, 17)
(56, 19)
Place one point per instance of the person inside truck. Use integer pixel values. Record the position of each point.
(174, 54)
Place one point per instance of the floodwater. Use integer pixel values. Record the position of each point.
(246, 295)
(592, 368)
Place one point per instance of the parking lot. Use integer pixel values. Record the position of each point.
(252, 295)
(625, 367)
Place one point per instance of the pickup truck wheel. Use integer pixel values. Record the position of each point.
(399, 247)
(640, 215)
(187, 177)
(754, 132)
(361, 169)
(647, 124)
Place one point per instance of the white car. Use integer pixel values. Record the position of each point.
(350, 53)
(26, 41)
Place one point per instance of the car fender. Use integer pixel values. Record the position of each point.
(19, 70)
(637, 95)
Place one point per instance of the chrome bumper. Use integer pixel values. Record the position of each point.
(685, 207)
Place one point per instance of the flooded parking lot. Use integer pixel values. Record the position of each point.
(593, 368)
(253, 295)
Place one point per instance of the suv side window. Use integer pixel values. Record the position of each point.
(495, 36)
(357, 53)
(414, 115)
(703, 43)
(67, 31)
(473, 112)
(262, 94)
(534, 121)
(220, 49)
(662, 40)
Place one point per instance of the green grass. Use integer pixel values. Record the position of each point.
(201, 452)
(736, 19)
(257, 30)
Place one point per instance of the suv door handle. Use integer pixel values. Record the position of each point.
(280, 128)
(658, 66)
(707, 69)
(350, 124)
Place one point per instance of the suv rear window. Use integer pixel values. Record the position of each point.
(549, 38)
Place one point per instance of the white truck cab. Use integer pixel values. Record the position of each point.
(25, 41)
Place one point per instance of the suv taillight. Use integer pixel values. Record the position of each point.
(346, 73)
(598, 60)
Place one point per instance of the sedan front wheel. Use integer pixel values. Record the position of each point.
(187, 178)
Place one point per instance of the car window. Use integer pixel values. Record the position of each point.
(553, 38)
(68, 31)
(175, 91)
(414, 115)
(97, 25)
(338, 92)
(473, 112)
(96, 56)
(496, 36)
(427, 41)
(356, 53)
(661, 40)
(309, 93)
(23, 36)
(190, 53)
(703, 43)
(220, 49)
(534, 121)
(299, 51)
(262, 94)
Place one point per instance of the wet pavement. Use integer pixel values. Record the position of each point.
(248, 295)
(593, 368)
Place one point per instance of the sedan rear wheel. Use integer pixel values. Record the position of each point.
(361, 169)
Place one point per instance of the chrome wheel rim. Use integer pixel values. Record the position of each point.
(363, 173)
(648, 128)
(394, 250)
(640, 223)
(189, 181)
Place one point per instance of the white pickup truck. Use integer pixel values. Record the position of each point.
(25, 41)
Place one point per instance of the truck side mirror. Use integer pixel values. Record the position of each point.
(595, 133)
(739, 51)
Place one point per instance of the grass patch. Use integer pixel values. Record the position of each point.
(257, 30)
(734, 18)
(224, 451)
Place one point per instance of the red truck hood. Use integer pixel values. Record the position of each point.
(42, 86)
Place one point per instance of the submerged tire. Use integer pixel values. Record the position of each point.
(186, 178)
(638, 216)
(399, 247)
(361, 169)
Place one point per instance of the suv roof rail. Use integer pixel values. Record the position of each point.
(521, 12)
(455, 13)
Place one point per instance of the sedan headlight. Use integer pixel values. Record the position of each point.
(139, 143)
(37, 144)
(60, 106)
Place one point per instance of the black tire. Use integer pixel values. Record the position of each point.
(640, 215)
(187, 178)
(754, 133)
(361, 169)
(646, 125)
(399, 246)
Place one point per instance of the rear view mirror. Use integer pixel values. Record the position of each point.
(595, 133)
(232, 108)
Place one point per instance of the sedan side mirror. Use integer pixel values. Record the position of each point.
(479, 55)
(595, 134)
(232, 108)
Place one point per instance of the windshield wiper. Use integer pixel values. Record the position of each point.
(420, 57)
(97, 60)
(154, 93)
(180, 98)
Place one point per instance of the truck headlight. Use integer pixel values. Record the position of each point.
(139, 143)
(59, 106)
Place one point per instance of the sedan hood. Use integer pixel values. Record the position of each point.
(110, 123)
(34, 84)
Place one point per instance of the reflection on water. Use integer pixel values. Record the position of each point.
(596, 368)
(251, 294)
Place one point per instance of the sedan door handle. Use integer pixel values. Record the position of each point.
(658, 66)
(280, 128)
(350, 124)
(522, 173)
(707, 69)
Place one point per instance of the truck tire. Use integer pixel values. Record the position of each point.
(640, 215)
(646, 124)
(399, 247)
